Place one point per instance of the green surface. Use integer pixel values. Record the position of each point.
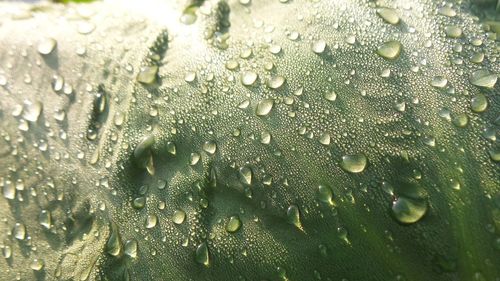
(250, 140)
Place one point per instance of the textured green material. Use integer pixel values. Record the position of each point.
(249, 140)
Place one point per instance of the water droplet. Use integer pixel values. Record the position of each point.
(194, 158)
(9, 190)
(232, 64)
(483, 78)
(319, 46)
(264, 107)
(330, 96)
(460, 120)
(45, 219)
(37, 264)
(390, 49)
(202, 255)
(325, 194)
(210, 147)
(245, 175)
(147, 74)
(3, 80)
(179, 216)
(276, 81)
(494, 154)
(293, 216)
(142, 152)
(19, 231)
(171, 148)
(447, 11)
(151, 221)
(46, 46)
(408, 210)
(439, 82)
(325, 139)
(114, 243)
(130, 248)
(233, 224)
(388, 15)
(453, 31)
(32, 110)
(354, 163)
(85, 27)
(190, 76)
(248, 78)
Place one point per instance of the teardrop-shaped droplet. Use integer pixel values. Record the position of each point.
(151, 221)
(147, 74)
(319, 46)
(330, 96)
(325, 194)
(483, 78)
(388, 15)
(45, 219)
(233, 224)
(179, 216)
(453, 31)
(439, 82)
(293, 216)
(130, 248)
(32, 110)
(276, 82)
(248, 78)
(202, 254)
(408, 210)
(19, 231)
(354, 163)
(390, 49)
(114, 243)
(46, 46)
(245, 175)
(210, 147)
(37, 264)
(325, 139)
(142, 152)
(479, 103)
(264, 107)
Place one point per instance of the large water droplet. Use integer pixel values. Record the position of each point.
(179, 216)
(210, 147)
(32, 110)
(390, 49)
(264, 107)
(233, 224)
(130, 248)
(388, 15)
(408, 210)
(325, 194)
(248, 78)
(147, 74)
(354, 163)
(245, 175)
(483, 78)
(45, 219)
(202, 254)
(293, 216)
(319, 46)
(151, 221)
(46, 46)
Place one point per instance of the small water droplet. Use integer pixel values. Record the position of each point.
(439, 82)
(19, 231)
(453, 31)
(36, 264)
(276, 81)
(330, 96)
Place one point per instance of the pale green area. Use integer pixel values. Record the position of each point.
(250, 140)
